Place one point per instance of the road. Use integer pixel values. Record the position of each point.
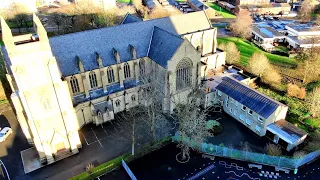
(10, 149)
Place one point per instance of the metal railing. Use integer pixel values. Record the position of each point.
(259, 158)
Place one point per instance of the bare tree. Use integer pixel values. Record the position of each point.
(192, 124)
(232, 52)
(306, 10)
(314, 102)
(273, 150)
(160, 12)
(317, 21)
(105, 19)
(295, 91)
(314, 144)
(241, 27)
(57, 18)
(258, 64)
(299, 154)
(271, 76)
(20, 15)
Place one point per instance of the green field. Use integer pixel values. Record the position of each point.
(247, 49)
(125, 1)
(220, 11)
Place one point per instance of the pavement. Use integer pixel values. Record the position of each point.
(100, 144)
(235, 132)
(11, 147)
(161, 164)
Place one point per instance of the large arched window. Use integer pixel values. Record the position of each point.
(100, 117)
(126, 70)
(133, 98)
(184, 74)
(93, 79)
(142, 67)
(74, 84)
(110, 75)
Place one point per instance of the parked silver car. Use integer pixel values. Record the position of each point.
(4, 133)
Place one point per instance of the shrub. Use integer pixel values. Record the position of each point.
(273, 150)
(295, 91)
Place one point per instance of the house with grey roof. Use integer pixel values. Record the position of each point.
(258, 112)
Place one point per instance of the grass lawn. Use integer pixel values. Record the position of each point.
(313, 122)
(125, 1)
(221, 11)
(282, 49)
(14, 25)
(247, 49)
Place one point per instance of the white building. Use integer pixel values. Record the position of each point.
(258, 112)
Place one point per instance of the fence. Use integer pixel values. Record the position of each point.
(278, 161)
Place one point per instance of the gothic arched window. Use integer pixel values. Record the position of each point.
(184, 74)
(126, 70)
(133, 98)
(110, 75)
(142, 67)
(74, 85)
(93, 79)
(100, 117)
(118, 103)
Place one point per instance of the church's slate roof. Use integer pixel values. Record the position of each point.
(129, 18)
(163, 46)
(84, 44)
(254, 100)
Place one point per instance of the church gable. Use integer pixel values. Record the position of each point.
(163, 45)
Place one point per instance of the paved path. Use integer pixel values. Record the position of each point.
(100, 144)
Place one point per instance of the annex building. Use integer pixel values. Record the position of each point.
(64, 82)
(258, 112)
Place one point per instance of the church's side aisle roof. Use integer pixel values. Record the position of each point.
(138, 34)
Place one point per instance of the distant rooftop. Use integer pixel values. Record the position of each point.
(303, 27)
(305, 39)
(266, 31)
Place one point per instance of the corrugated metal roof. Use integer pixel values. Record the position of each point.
(254, 100)
(163, 46)
(286, 131)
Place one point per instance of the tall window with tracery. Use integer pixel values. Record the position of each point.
(118, 103)
(110, 75)
(74, 85)
(184, 74)
(93, 79)
(126, 70)
(142, 67)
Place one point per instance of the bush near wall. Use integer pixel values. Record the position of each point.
(116, 163)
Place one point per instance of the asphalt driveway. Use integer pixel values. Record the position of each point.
(234, 132)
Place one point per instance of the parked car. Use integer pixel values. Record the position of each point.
(4, 133)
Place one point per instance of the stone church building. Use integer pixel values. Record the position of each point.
(64, 82)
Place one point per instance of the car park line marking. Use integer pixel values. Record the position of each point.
(84, 138)
(104, 130)
(2, 164)
(96, 137)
